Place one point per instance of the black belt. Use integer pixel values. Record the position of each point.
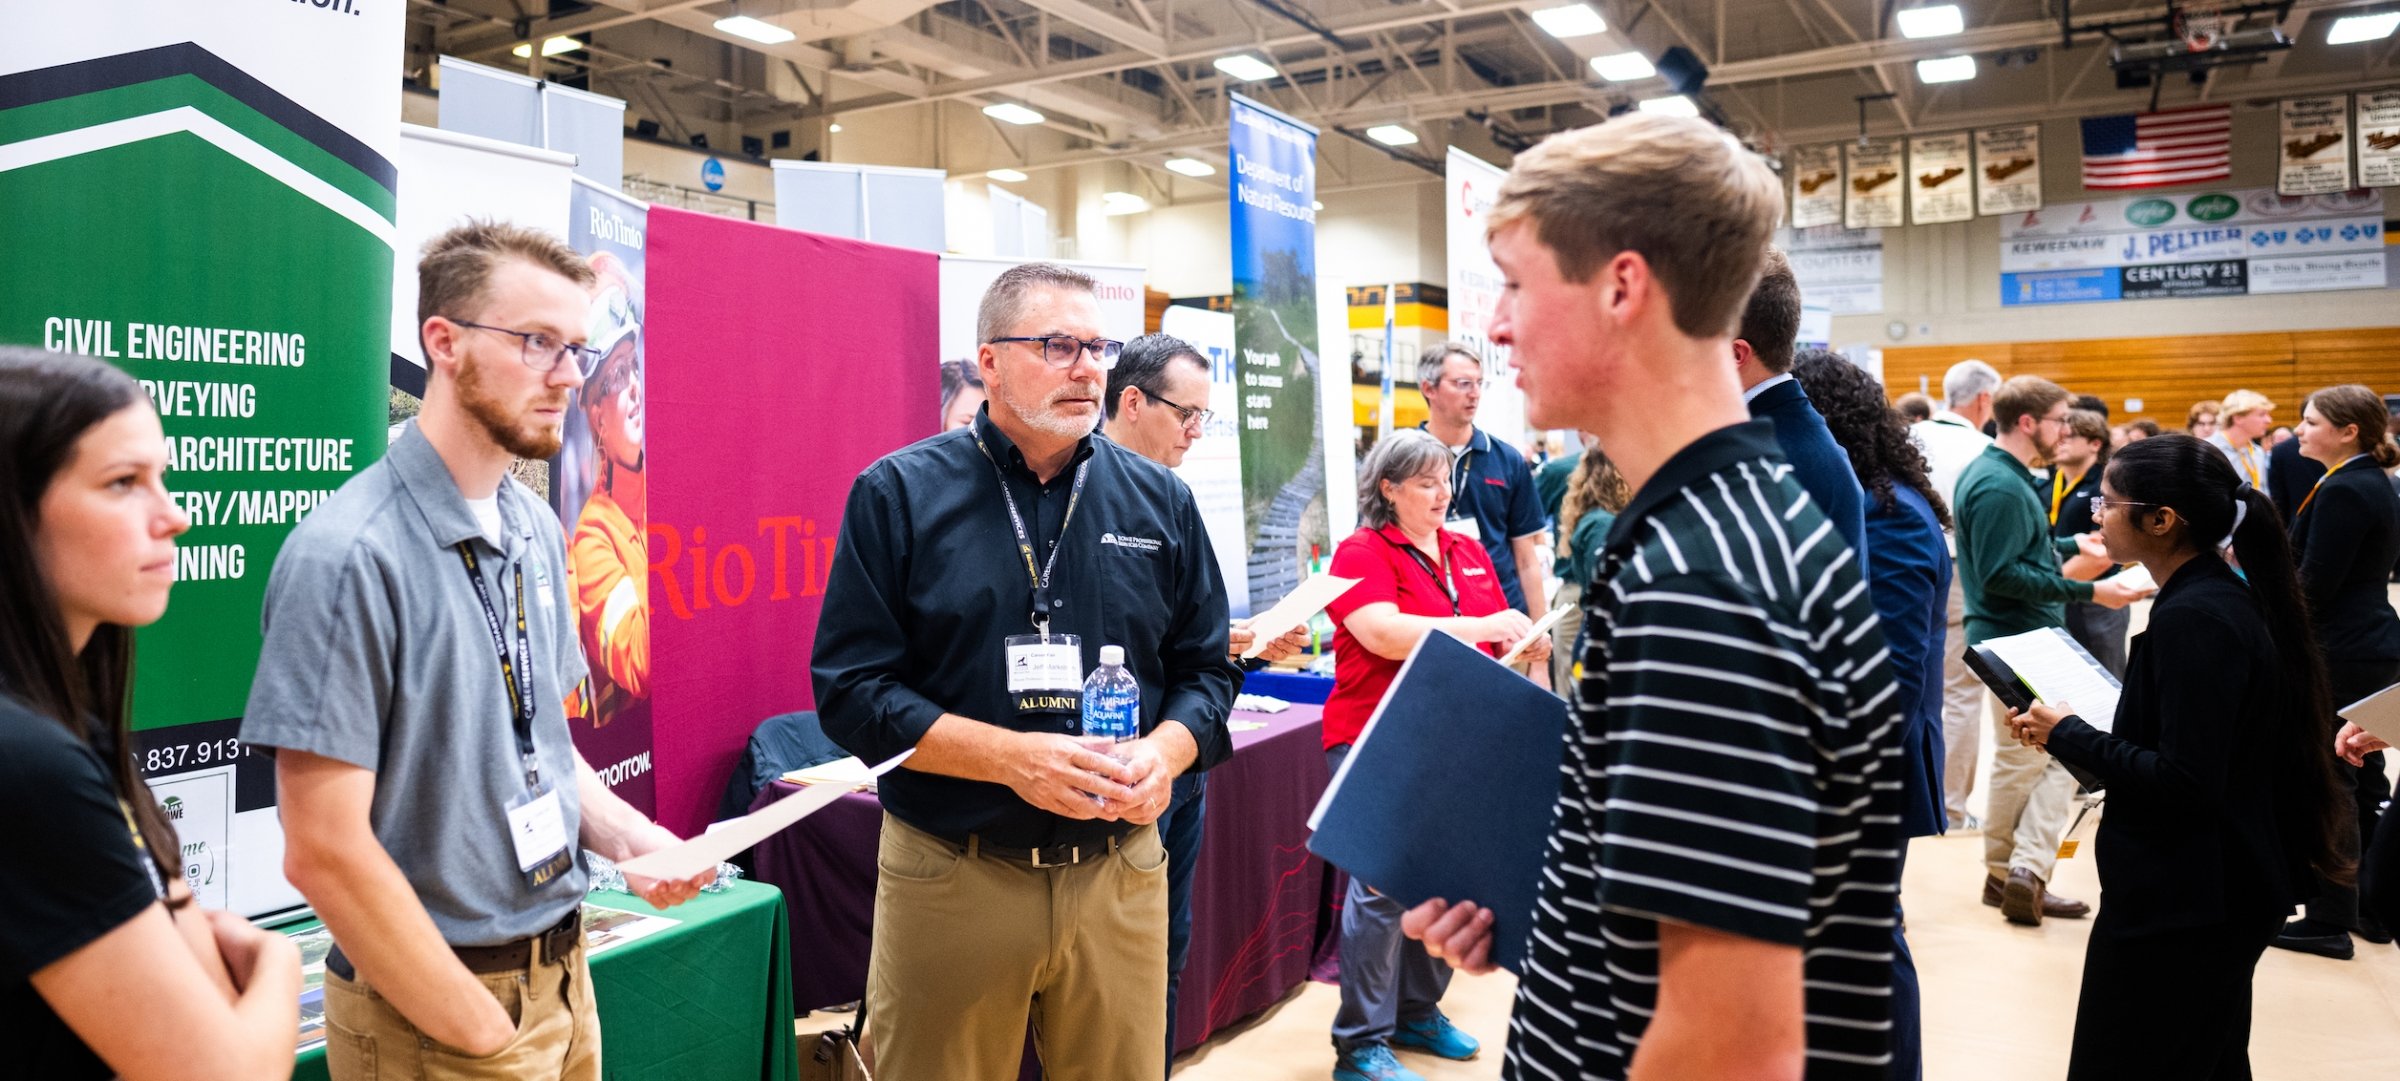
(515, 956)
(1064, 855)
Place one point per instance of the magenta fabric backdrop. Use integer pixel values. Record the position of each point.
(781, 364)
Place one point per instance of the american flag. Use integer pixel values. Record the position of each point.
(2156, 150)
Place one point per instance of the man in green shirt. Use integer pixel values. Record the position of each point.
(2009, 567)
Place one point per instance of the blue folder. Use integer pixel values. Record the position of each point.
(1450, 789)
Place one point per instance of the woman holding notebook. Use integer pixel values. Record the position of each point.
(2222, 800)
(1415, 577)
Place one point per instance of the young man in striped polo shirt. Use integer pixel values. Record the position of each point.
(1718, 897)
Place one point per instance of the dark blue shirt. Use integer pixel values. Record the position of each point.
(1493, 484)
(1909, 577)
(927, 580)
(1819, 463)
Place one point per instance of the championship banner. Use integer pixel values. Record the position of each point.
(2379, 139)
(1475, 283)
(1941, 187)
(2008, 170)
(203, 194)
(1816, 186)
(599, 486)
(1213, 467)
(1275, 334)
(2214, 243)
(755, 432)
(2315, 157)
(1873, 191)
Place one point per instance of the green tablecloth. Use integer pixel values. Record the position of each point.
(709, 1000)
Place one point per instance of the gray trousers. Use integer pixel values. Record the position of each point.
(1387, 977)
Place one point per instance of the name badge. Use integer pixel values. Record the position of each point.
(1465, 527)
(1045, 673)
(538, 828)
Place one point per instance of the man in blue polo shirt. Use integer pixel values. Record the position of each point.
(1492, 498)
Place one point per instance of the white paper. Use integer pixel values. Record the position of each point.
(1294, 610)
(2138, 577)
(847, 772)
(720, 843)
(2378, 713)
(2059, 672)
(1540, 627)
(607, 928)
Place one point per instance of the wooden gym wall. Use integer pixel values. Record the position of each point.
(2169, 374)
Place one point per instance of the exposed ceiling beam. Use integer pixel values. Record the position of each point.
(1106, 24)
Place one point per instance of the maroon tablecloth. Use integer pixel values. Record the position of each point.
(1261, 904)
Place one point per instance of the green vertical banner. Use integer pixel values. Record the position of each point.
(202, 194)
(1275, 341)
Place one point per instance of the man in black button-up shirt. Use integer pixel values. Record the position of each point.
(1019, 869)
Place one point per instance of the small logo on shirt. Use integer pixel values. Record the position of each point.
(541, 589)
(1470, 571)
(1139, 544)
(1495, 482)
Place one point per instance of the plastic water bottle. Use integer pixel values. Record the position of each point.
(1112, 700)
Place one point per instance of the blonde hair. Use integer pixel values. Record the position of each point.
(2243, 401)
(1696, 205)
(1596, 485)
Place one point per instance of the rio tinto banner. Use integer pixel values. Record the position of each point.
(1275, 343)
(1475, 291)
(203, 194)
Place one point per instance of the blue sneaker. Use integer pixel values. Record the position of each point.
(1371, 1062)
(1435, 1035)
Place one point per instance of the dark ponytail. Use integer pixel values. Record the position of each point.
(2191, 477)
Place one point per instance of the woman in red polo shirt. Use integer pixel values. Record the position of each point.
(1414, 577)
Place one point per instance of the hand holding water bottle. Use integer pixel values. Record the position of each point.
(1112, 724)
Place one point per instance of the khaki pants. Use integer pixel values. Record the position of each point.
(558, 1030)
(2032, 796)
(967, 948)
(1962, 715)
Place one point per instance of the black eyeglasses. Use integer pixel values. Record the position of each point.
(1192, 418)
(1060, 350)
(541, 352)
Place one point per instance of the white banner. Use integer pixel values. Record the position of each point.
(1213, 467)
(1940, 187)
(449, 177)
(1872, 184)
(2316, 146)
(1475, 289)
(2008, 170)
(1839, 270)
(2315, 273)
(964, 278)
(2379, 139)
(1816, 186)
(2136, 213)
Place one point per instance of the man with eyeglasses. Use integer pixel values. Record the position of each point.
(1147, 390)
(420, 648)
(2008, 563)
(977, 576)
(1492, 497)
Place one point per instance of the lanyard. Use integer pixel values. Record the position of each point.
(1041, 578)
(1461, 471)
(2256, 481)
(2059, 487)
(1441, 577)
(519, 678)
(2312, 490)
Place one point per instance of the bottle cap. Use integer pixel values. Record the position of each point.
(1112, 654)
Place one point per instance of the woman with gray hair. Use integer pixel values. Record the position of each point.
(1415, 577)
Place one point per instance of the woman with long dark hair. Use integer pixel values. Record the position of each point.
(2346, 534)
(2223, 806)
(106, 966)
(1908, 578)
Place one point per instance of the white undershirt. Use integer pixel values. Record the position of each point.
(487, 515)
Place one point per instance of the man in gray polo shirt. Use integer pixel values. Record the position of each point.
(420, 650)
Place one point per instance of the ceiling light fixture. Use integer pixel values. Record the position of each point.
(1009, 112)
(2352, 29)
(1570, 21)
(550, 47)
(758, 30)
(1673, 105)
(1191, 167)
(1623, 67)
(834, 128)
(1938, 20)
(1005, 176)
(1120, 203)
(1947, 69)
(1245, 67)
(1391, 135)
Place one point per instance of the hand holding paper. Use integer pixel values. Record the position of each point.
(1294, 610)
(1540, 632)
(702, 854)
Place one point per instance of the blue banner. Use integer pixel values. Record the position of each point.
(2061, 286)
(1275, 341)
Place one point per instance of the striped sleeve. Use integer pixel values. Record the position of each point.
(1712, 813)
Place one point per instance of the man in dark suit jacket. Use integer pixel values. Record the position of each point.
(1762, 356)
(2290, 477)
